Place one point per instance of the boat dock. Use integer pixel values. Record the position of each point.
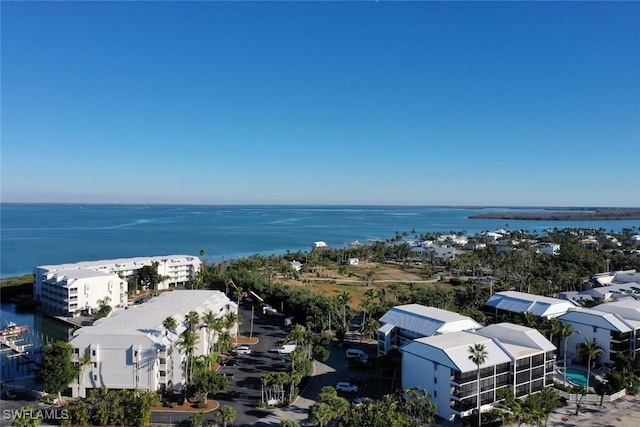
(18, 350)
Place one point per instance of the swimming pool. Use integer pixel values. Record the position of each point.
(579, 377)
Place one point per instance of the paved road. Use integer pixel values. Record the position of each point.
(335, 369)
(244, 393)
(245, 389)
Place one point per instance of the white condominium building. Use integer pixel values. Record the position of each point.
(408, 322)
(518, 358)
(131, 349)
(614, 326)
(68, 288)
(502, 306)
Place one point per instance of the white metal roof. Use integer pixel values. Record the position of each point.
(510, 333)
(453, 350)
(119, 264)
(427, 321)
(146, 319)
(595, 318)
(520, 302)
(627, 308)
(75, 274)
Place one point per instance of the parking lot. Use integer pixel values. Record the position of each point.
(245, 385)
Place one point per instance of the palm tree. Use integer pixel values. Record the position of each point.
(478, 356)
(83, 362)
(366, 305)
(294, 378)
(395, 290)
(211, 322)
(225, 341)
(226, 414)
(344, 299)
(590, 351)
(320, 413)
(232, 319)
(192, 319)
(371, 295)
(187, 342)
(238, 292)
(297, 335)
(553, 327)
(370, 328)
(565, 331)
(170, 324)
(529, 319)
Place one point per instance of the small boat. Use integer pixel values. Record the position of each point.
(13, 329)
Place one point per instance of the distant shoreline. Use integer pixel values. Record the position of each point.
(320, 205)
(599, 214)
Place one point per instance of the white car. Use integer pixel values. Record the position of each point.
(242, 349)
(346, 387)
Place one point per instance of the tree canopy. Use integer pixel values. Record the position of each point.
(57, 370)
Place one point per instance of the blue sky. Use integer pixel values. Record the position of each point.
(421, 103)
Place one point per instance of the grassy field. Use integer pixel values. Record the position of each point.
(13, 286)
(329, 281)
(16, 281)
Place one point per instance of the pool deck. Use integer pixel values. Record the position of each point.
(559, 377)
(624, 412)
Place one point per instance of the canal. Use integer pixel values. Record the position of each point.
(42, 330)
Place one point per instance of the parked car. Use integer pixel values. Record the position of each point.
(356, 354)
(285, 357)
(346, 387)
(353, 380)
(242, 349)
(229, 362)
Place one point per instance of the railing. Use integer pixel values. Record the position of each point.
(591, 398)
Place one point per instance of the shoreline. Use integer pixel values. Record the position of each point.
(606, 214)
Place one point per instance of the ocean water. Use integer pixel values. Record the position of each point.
(40, 234)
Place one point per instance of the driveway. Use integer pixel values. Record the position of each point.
(244, 391)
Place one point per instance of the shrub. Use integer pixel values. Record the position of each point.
(201, 404)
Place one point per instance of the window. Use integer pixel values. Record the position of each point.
(522, 364)
(522, 377)
(537, 360)
(93, 353)
(95, 364)
(502, 368)
(435, 380)
(95, 378)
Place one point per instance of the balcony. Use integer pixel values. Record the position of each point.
(463, 405)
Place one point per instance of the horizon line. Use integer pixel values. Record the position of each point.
(455, 206)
